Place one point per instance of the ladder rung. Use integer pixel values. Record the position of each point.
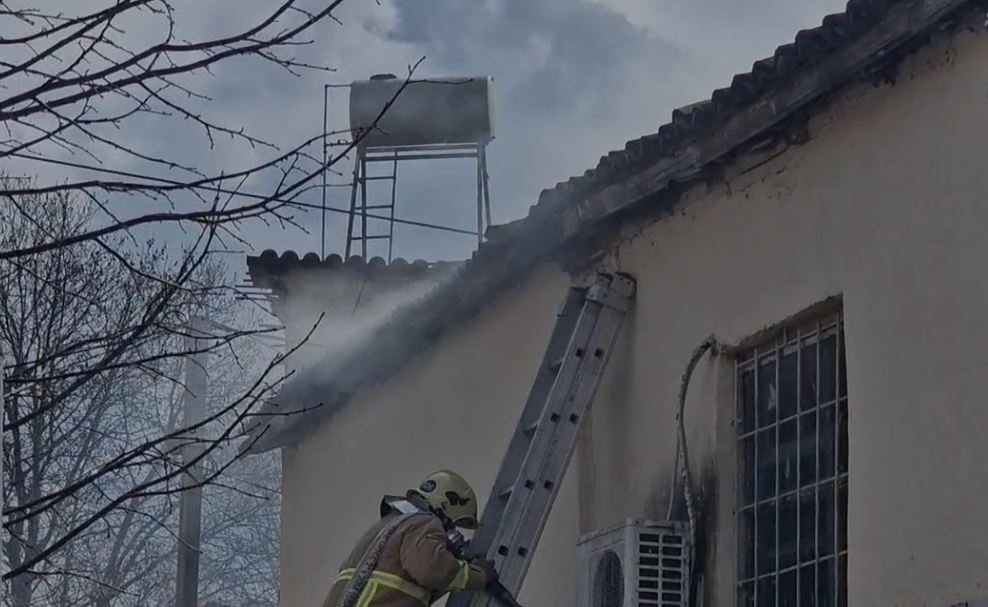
(378, 177)
(539, 453)
(528, 484)
(374, 237)
(376, 206)
(555, 365)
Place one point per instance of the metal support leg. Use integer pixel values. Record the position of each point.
(325, 161)
(391, 223)
(363, 207)
(353, 205)
(480, 201)
(486, 179)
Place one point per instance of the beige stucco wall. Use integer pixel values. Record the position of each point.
(454, 408)
(886, 206)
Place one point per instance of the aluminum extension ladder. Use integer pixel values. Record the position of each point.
(544, 440)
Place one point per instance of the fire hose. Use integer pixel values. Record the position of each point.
(368, 563)
(458, 546)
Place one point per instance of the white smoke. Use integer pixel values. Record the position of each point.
(349, 307)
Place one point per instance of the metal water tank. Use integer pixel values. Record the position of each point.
(434, 110)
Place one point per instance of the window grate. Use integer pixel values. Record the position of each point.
(791, 512)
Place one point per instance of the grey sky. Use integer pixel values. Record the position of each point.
(574, 79)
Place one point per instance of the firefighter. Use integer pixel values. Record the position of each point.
(411, 564)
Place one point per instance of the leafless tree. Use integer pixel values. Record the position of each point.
(94, 309)
(92, 473)
(241, 531)
(73, 84)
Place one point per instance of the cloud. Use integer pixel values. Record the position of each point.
(574, 79)
(561, 72)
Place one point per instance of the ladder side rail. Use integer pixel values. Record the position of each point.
(566, 319)
(500, 549)
(562, 384)
(515, 491)
(517, 541)
(515, 519)
(553, 470)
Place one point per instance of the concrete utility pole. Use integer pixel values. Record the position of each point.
(190, 503)
(3, 420)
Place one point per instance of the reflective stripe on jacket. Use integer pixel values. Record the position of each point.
(415, 567)
(379, 579)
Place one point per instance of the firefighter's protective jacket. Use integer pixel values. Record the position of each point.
(415, 567)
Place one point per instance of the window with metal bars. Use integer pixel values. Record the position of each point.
(791, 511)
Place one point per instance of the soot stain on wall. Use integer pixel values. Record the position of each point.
(707, 534)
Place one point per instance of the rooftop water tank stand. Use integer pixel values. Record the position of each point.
(430, 119)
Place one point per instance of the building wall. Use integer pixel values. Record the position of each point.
(885, 207)
(453, 408)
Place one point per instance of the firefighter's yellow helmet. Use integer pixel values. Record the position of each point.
(449, 493)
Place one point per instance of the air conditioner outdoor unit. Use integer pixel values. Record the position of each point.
(634, 564)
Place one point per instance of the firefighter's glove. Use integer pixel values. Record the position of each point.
(490, 573)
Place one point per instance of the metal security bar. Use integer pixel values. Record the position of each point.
(791, 515)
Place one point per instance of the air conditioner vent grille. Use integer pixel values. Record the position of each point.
(661, 579)
(635, 564)
(608, 585)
